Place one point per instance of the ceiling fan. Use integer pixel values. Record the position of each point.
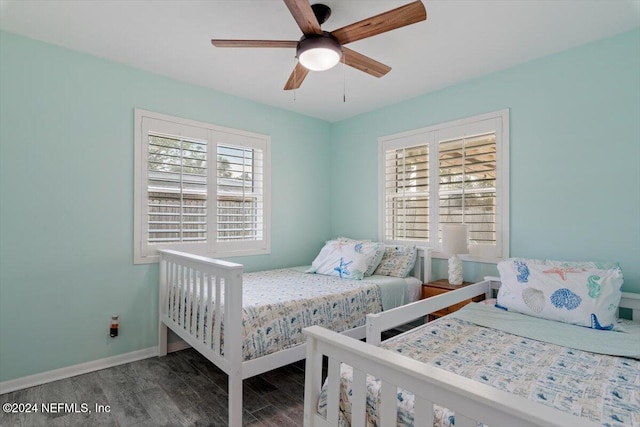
(319, 50)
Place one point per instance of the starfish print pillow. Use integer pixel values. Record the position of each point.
(345, 259)
(581, 293)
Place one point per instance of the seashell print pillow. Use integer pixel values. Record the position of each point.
(398, 261)
(581, 293)
(347, 259)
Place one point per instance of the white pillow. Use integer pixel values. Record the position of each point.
(346, 259)
(375, 261)
(397, 261)
(581, 293)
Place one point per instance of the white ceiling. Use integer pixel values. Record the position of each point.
(460, 40)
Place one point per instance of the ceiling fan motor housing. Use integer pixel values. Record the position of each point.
(319, 52)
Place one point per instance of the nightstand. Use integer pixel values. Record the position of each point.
(442, 286)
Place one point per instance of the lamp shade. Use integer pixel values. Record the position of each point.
(319, 52)
(455, 239)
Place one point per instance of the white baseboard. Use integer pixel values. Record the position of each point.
(83, 368)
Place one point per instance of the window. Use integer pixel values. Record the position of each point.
(199, 188)
(451, 173)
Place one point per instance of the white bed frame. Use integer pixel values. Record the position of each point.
(471, 400)
(189, 273)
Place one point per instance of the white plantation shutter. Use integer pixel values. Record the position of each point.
(177, 189)
(406, 184)
(240, 200)
(199, 188)
(467, 190)
(451, 173)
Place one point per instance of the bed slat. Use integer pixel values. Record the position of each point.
(423, 412)
(202, 305)
(176, 292)
(183, 295)
(170, 289)
(333, 391)
(192, 300)
(179, 292)
(195, 302)
(359, 401)
(206, 337)
(389, 404)
(186, 298)
(218, 317)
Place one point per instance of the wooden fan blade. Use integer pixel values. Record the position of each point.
(387, 21)
(296, 77)
(364, 63)
(253, 43)
(304, 16)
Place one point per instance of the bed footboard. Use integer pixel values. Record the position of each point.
(197, 295)
(471, 401)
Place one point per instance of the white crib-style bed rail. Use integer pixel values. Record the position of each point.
(190, 284)
(472, 401)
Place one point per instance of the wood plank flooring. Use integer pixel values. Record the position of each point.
(181, 389)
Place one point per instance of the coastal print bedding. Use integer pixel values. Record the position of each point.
(581, 293)
(605, 389)
(278, 304)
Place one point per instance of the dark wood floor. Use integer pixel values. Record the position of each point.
(181, 389)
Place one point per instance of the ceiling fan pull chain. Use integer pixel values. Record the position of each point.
(295, 66)
(344, 80)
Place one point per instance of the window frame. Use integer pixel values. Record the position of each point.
(498, 122)
(147, 253)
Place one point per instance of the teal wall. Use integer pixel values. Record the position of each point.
(66, 181)
(66, 199)
(575, 154)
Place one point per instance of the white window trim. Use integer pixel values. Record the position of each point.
(143, 255)
(431, 135)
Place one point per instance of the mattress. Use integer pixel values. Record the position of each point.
(278, 304)
(603, 388)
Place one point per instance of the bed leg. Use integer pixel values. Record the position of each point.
(312, 381)
(162, 339)
(235, 401)
(163, 284)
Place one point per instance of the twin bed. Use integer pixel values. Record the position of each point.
(479, 366)
(251, 323)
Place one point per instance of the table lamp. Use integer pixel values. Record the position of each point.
(454, 243)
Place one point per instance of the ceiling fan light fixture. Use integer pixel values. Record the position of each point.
(319, 52)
